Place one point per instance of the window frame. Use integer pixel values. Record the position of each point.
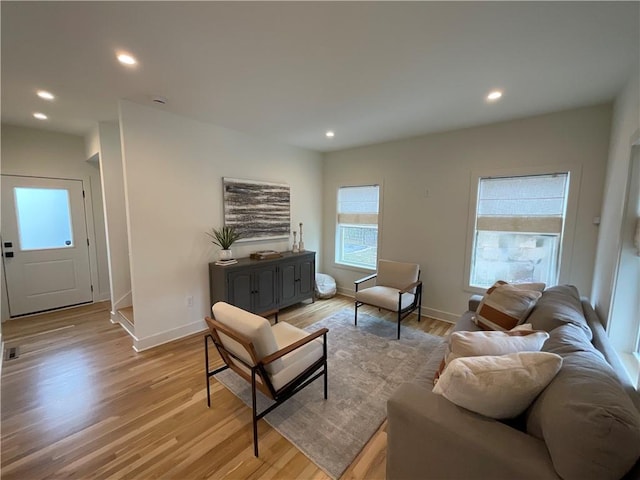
(565, 246)
(336, 241)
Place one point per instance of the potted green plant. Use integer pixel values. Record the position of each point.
(224, 237)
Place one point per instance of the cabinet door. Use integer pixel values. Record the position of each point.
(240, 289)
(265, 289)
(307, 278)
(288, 282)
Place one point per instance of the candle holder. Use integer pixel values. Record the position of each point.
(301, 245)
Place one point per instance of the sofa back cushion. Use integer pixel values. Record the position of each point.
(588, 422)
(558, 306)
(397, 274)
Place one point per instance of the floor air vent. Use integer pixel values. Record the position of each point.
(11, 353)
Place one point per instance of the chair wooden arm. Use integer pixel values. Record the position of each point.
(290, 348)
(368, 277)
(411, 287)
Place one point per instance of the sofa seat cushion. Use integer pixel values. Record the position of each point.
(558, 306)
(384, 297)
(588, 422)
(294, 363)
(497, 386)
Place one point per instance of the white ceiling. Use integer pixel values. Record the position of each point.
(371, 71)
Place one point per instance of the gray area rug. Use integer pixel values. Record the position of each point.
(366, 364)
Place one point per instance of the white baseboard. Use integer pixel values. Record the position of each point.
(426, 311)
(346, 292)
(169, 335)
(440, 315)
(117, 319)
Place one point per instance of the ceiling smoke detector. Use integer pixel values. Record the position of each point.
(159, 100)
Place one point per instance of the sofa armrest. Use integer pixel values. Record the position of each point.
(428, 437)
(474, 302)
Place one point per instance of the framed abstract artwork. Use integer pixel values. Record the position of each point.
(258, 210)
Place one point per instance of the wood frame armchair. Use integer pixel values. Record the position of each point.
(398, 289)
(278, 360)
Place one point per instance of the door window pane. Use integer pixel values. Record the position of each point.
(44, 218)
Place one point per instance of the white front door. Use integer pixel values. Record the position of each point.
(44, 244)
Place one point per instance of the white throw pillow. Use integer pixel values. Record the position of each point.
(498, 386)
(473, 344)
(524, 327)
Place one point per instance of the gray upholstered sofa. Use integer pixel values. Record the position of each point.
(584, 425)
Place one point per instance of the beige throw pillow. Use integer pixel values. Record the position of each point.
(471, 344)
(498, 386)
(505, 306)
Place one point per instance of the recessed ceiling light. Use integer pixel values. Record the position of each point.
(40, 116)
(330, 134)
(46, 95)
(126, 59)
(494, 95)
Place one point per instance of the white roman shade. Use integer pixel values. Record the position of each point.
(358, 205)
(530, 204)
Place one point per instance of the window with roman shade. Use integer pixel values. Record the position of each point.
(357, 226)
(518, 229)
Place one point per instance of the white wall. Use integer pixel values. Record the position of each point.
(433, 231)
(113, 197)
(92, 143)
(42, 153)
(173, 181)
(625, 125)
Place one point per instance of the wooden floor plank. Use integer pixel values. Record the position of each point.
(79, 402)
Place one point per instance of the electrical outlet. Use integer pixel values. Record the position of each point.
(189, 300)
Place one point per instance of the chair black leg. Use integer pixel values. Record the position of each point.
(356, 314)
(399, 320)
(254, 413)
(206, 370)
(326, 370)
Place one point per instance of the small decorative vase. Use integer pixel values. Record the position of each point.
(294, 248)
(225, 254)
(301, 244)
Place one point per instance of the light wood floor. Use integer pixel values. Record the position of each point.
(79, 402)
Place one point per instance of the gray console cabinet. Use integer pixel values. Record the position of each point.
(264, 285)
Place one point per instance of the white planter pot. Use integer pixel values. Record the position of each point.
(225, 255)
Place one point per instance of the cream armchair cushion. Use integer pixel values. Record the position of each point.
(267, 340)
(384, 297)
(296, 362)
(397, 274)
(254, 327)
